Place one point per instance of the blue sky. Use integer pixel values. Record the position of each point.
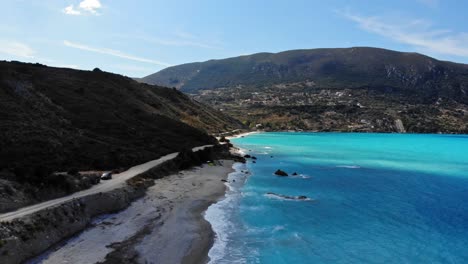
(139, 37)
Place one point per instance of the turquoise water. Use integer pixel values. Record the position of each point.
(376, 198)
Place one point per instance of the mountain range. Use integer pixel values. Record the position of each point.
(344, 89)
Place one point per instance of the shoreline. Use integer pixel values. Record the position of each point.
(167, 225)
(219, 219)
(243, 134)
(215, 216)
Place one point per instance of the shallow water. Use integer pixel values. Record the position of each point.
(375, 198)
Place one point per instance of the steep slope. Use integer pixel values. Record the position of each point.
(61, 118)
(351, 89)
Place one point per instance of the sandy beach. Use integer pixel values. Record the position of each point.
(243, 134)
(165, 226)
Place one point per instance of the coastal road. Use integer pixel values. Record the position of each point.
(118, 180)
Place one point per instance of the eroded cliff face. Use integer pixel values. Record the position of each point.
(33, 234)
(16, 194)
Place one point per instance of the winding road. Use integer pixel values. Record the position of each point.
(118, 180)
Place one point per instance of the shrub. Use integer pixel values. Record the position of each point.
(73, 171)
(41, 173)
(223, 139)
(9, 190)
(21, 174)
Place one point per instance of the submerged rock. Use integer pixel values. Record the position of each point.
(281, 173)
(295, 174)
(287, 197)
(247, 156)
(253, 157)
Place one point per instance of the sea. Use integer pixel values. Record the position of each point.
(369, 198)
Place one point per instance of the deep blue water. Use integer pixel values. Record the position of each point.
(376, 198)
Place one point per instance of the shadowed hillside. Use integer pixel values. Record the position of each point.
(62, 118)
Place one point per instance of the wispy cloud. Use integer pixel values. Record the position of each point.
(418, 33)
(84, 7)
(429, 3)
(178, 39)
(178, 42)
(16, 49)
(111, 52)
(184, 34)
(70, 10)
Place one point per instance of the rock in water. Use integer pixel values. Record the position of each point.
(295, 173)
(280, 173)
(287, 197)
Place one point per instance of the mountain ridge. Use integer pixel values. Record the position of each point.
(347, 64)
(344, 89)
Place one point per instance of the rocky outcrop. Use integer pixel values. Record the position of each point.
(281, 173)
(399, 126)
(287, 197)
(17, 194)
(30, 235)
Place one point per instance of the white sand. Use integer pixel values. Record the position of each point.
(243, 134)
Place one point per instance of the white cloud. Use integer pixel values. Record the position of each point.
(91, 6)
(17, 49)
(84, 7)
(70, 10)
(417, 33)
(114, 53)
